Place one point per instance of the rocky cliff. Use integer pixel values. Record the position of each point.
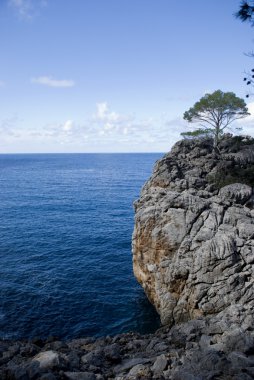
(193, 252)
(193, 243)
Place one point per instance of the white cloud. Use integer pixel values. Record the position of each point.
(250, 107)
(247, 124)
(51, 82)
(103, 113)
(102, 109)
(27, 9)
(68, 126)
(113, 125)
(9, 127)
(122, 128)
(106, 130)
(23, 7)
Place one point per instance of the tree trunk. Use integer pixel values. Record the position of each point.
(215, 141)
(216, 136)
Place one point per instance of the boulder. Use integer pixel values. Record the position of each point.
(47, 359)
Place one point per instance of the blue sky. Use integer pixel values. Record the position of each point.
(113, 75)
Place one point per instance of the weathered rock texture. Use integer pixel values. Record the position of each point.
(220, 348)
(193, 252)
(193, 244)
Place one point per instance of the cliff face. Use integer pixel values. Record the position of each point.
(193, 252)
(193, 243)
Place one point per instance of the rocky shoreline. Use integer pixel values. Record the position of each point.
(193, 253)
(221, 347)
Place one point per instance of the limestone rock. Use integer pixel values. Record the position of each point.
(138, 369)
(212, 347)
(129, 363)
(160, 364)
(193, 244)
(47, 359)
(80, 376)
(237, 192)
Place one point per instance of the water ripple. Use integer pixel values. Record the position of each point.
(65, 245)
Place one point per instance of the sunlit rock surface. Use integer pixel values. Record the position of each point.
(193, 246)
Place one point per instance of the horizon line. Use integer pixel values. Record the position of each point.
(2, 153)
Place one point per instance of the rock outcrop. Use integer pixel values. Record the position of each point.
(193, 243)
(200, 349)
(193, 252)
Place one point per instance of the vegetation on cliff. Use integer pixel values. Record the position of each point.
(236, 163)
(215, 112)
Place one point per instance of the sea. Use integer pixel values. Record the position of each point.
(66, 223)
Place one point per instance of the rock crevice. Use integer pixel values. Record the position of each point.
(193, 244)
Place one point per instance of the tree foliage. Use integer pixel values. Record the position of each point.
(246, 13)
(197, 133)
(215, 112)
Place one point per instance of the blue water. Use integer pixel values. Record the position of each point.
(66, 222)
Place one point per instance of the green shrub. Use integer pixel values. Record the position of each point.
(237, 174)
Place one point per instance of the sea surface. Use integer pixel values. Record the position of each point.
(66, 222)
